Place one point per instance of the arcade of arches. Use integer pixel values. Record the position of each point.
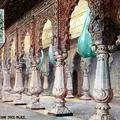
(56, 25)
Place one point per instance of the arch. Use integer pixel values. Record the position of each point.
(77, 79)
(47, 34)
(76, 18)
(72, 7)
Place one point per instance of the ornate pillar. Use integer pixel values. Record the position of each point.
(6, 89)
(60, 87)
(69, 82)
(18, 87)
(100, 30)
(102, 91)
(35, 87)
(85, 62)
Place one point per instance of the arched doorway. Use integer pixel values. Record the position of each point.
(76, 26)
(76, 74)
(75, 83)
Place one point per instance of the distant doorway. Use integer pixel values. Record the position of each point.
(75, 83)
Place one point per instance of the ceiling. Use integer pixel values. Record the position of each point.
(14, 9)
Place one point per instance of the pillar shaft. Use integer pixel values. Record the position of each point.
(86, 85)
(45, 86)
(102, 91)
(102, 36)
(69, 83)
(35, 88)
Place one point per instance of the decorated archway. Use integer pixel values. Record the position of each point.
(78, 18)
(47, 37)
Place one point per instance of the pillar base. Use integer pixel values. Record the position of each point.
(102, 112)
(60, 109)
(60, 112)
(25, 91)
(35, 106)
(6, 97)
(18, 100)
(86, 96)
(102, 117)
(46, 93)
(69, 94)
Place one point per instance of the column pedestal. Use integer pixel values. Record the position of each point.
(35, 103)
(60, 109)
(60, 90)
(18, 87)
(18, 99)
(102, 112)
